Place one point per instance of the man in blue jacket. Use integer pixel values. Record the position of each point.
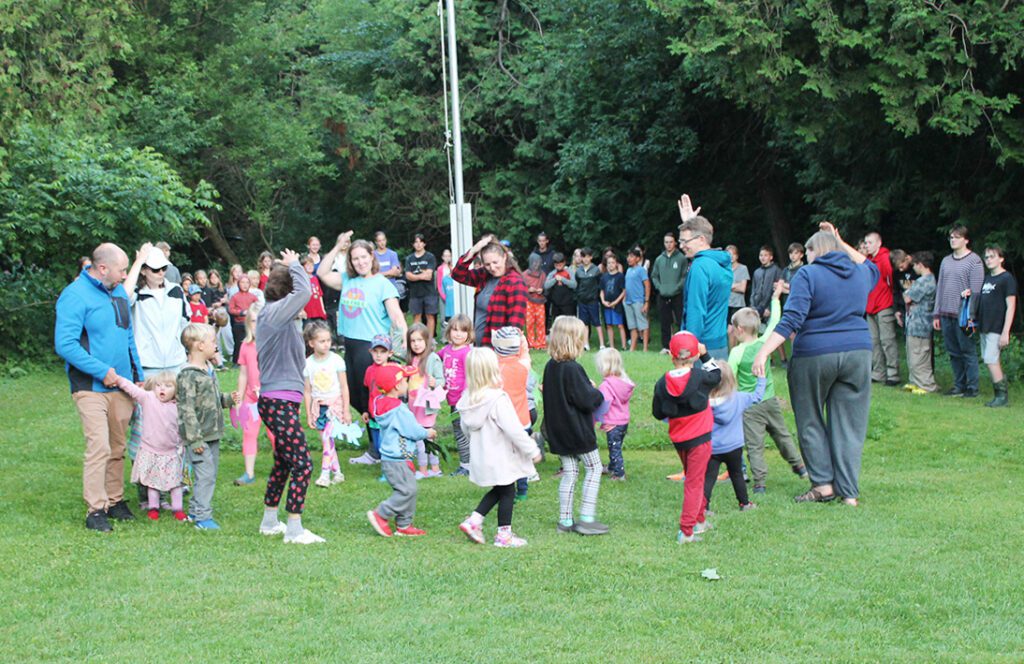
(708, 282)
(94, 336)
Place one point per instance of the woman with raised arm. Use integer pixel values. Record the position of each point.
(368, 307)
(500, 299)
(830, 370)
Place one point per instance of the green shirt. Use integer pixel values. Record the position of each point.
(741, 357)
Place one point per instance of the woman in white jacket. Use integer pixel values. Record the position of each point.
(159, 312)
(500, 450)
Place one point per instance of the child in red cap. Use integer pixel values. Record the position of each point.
(681, 397)
(399, 432)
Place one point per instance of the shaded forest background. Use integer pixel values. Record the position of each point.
(227, 128)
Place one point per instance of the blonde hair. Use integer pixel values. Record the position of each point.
(609, 363)
(747, 320)
(254, 278)
(728, 383)
(567, 338)
(462, 323)
(482, 372)
(162, 378)
(196, 332)
(251, 314)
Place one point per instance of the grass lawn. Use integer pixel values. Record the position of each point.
(928, 568)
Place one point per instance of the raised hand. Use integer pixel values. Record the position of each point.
(344, 240)
(828, 227)
(686, 211)
(289, 257)
(143, 252)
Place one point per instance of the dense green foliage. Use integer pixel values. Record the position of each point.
(584, 118)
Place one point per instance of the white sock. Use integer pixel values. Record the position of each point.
(294, 526)
(476, 519)
(269, 517)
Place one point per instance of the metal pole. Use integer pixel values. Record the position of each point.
(462, 237)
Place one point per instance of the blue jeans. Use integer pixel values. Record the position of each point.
(963, 356)
(616, 466)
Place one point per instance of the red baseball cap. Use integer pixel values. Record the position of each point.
(683, 345)
(390, 375)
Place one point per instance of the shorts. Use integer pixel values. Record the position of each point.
(426, 304)
(990, 348)
(612, 316)
(589, 313)
(636, 319)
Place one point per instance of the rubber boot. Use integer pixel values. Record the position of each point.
(1001, 397)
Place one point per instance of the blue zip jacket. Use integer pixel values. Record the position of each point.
(399, 429)
(727, 434)
(94, 333)
(708, 285)
(826, 305)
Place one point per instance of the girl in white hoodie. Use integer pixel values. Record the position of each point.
(500, 449)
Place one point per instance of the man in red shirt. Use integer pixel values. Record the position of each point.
(881, 316)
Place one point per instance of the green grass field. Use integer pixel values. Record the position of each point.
(927, 569)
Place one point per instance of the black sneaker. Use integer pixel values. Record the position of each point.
(120, 511)
(970, 394)
(98, 521)
(896, 382)
(953, 392)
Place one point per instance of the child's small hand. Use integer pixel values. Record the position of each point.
(701, 349)
(537, 458)
(366, 418)
(198, 448)
(236, 397)
(777, 290)
(432, 434)
(432, 382)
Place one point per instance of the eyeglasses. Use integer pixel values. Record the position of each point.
(688, 240)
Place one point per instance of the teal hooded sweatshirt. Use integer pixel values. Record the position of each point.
(708, 284)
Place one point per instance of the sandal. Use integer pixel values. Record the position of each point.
(814, 496)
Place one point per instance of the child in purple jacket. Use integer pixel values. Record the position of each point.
(727, 405)
(617, 389)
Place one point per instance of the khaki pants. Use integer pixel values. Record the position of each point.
(919, 362)
(885, 353)
(761, 418)
(104, 418)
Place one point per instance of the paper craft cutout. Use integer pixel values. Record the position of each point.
(243, 414)
(349, 433)
(430, 398)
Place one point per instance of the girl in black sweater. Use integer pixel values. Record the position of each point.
(570, 400)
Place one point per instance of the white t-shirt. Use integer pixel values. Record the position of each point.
(323, 376)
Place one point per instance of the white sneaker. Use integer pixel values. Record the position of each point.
(665, 351)
(474, 532)
(508, 541)
(533, 478)
(305, 537)
(365, 460)
(338, 477)
(702, 528)
(586, 346)
(324, 480)
(277, 529)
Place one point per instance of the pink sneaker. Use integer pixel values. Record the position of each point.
(508, 540)
(474, 533)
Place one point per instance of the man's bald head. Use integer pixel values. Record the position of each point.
(109, 264)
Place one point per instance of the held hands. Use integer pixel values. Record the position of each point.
(686, 210)
(701, 349)
(758, 368)
(780, 288)
(289, 257)
(236, 398)
(110, 380)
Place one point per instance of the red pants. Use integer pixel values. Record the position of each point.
(695, 464)
(535, 336)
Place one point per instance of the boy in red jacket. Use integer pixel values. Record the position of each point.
(681, 397)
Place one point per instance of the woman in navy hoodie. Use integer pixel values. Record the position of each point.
(831, 363)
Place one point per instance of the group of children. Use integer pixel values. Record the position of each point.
(712, 412)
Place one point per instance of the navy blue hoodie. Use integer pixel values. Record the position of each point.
(826, 305)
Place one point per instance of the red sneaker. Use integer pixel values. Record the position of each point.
(410, 531)
(379, 523)
(153, 515)
(180, 516)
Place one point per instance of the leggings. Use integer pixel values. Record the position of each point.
(154, 498)
(734, 462)
(504, 497)
(238, 335)
(291, 456)
(330, 452)
(251, 424)
(422, 458)
(591, 484)
(461, 441)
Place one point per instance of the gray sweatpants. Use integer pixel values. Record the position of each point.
(757, 420)
(204, 469)
(831, 396)
(885, 353)
(401, 504)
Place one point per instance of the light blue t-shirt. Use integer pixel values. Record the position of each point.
(387, 261)
(635, 278)
(449, 295)
(361, 312)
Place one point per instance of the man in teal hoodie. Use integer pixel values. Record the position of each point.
(708, 282)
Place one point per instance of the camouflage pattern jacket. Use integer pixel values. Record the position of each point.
(200, 403)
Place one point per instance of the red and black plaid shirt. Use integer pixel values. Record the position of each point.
(508, 302)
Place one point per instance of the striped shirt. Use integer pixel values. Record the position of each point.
(955, 276)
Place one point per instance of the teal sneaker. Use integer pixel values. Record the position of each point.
(245, 480)
(207, 524)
